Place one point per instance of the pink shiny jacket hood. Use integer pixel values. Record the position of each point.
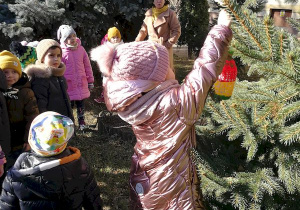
(162, 174)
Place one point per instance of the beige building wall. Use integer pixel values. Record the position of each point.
(279, 4)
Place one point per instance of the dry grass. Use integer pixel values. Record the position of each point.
(109, 156)
(182, 67)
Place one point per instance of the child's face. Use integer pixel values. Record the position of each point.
(71, 40)
(115, 39)
(53, 57)
(12, 76)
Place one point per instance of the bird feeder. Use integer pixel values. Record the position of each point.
(224, 85)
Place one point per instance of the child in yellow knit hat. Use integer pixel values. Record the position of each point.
(114, 35)
(11, 66)
(113, 40)
(21, 104)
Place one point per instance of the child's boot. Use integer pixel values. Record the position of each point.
(82, 125)
(100, 99)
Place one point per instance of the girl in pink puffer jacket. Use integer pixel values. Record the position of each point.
(79, 74)
(141, 87)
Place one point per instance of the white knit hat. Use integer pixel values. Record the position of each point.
(63, 32)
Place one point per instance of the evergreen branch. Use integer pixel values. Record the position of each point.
(239, 201)
(249, 19)
(250, 56)
(289, 111)
(281, 45)
(268, 36)
(294, 23)
(204, 170)
(289, 169)
(222, 129)
(290, 59)
(290, 134)
(261, 121)
(241, 21)
(213, 109)
(251, 145)
(223, 105)
(269, 72)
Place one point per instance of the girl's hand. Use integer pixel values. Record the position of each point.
(224, 18)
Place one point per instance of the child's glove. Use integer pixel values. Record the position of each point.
(90, 86)
(224, 18)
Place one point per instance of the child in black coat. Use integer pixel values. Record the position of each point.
(51, 175)
(47, 80)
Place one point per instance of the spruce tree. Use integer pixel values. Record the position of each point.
(35, 19)
(248, 154)
(194, 20)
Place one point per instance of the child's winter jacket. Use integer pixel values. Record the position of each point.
(162, 174)
(78, 71)
(50, 88)
(22, 109)
(4, 120)
(71, 185)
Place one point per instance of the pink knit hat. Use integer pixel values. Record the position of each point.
(130, 69)
(133, 61)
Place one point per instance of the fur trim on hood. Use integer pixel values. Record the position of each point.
(103, 55)
(40, 70)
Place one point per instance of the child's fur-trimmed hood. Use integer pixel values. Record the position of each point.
(43, 71)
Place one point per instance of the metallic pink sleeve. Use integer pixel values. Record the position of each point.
(206, 69)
